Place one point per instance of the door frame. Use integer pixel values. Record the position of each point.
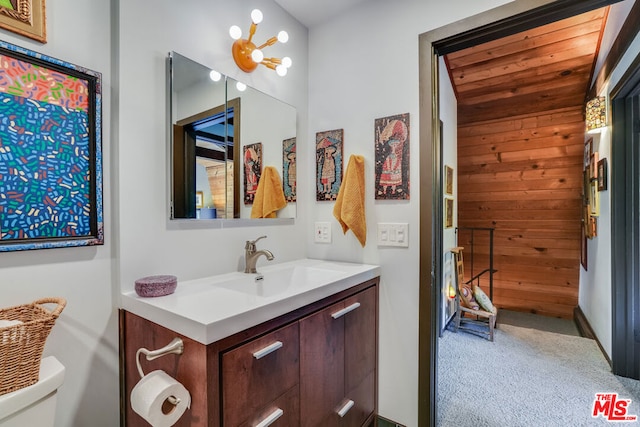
(511, 18)
(625, 233)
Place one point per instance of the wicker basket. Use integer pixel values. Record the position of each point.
(21, 345)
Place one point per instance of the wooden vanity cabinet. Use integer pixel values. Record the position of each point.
(299, 369)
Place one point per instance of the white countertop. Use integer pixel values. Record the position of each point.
(212, 308)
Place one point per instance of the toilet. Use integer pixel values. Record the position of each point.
(34, 406)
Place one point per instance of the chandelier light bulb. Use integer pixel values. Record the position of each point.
(241, 86)
(235, 32)
(286, 61)
(281, 70)
(283, 36)
(256, 16)
(257, 56)
(215, 76)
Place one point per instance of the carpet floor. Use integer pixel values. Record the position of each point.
(526, 377)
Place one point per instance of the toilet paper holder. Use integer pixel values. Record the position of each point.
(176, 346)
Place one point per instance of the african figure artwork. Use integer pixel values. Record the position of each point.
(252, 170)
(289, 169)
(328, 164)
(392, 157)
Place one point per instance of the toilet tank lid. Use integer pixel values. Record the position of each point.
(51, 377)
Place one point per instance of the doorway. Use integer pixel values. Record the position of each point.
(509, 19)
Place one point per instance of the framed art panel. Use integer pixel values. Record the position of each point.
(392, 148)
(252, 158)
(594, 199)
(588, 149)
(24, 17)
(448, 213)
(50, 152)
(602, 175)
(289, 169)
(329, 146)
(448, 180)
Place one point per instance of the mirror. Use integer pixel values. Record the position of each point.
(223, 134)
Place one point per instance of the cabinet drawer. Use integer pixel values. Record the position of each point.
(259, 372)
(283, 412)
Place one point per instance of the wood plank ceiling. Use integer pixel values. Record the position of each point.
(520, 158)
(542, 69)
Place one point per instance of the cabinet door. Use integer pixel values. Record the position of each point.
(259, 372)
(360, 348)
(321, 368)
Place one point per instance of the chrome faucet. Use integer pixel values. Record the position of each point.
(251, 255)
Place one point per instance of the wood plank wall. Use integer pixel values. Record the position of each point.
(522, 175)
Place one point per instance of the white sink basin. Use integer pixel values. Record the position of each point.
(281, 280)
(212, 308)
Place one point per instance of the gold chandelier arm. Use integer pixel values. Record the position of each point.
(276, 61)
(269, 42)
(252, 31)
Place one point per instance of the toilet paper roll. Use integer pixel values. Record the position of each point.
(151, 399)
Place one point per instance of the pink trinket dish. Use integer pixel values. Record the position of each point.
(156, 286)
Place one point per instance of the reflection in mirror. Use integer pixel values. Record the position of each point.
(199, 146)
(213, 123)
(265, 127)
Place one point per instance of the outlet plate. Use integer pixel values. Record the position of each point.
(322, 232)
(393, 234)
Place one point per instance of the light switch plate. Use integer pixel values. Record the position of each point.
(322, 232)
(393, 234)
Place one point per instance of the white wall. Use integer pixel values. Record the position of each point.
(595, 283)
(363, 65)
(84, 338)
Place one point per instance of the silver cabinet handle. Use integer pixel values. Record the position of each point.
(271, 418)
(268, 349)
(345, 310)
(343, 411)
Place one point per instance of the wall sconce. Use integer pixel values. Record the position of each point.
(596, 114)
(247, 56)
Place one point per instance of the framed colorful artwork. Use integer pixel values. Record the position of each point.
(289, 169)
(593, 166)
(594, 199)
(50, 152)
(329, 146)
(252, 160)
(448, 213)
(392, 157)
(588, 149)
(448, 180)
(24, 17)
(199, 199)
(602, 175)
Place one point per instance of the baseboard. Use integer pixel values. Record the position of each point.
(586, 331)
(384, 422)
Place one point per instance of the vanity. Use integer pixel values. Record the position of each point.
(295, 345)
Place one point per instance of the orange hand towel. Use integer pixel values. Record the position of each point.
(349, 207)
(269, 195)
